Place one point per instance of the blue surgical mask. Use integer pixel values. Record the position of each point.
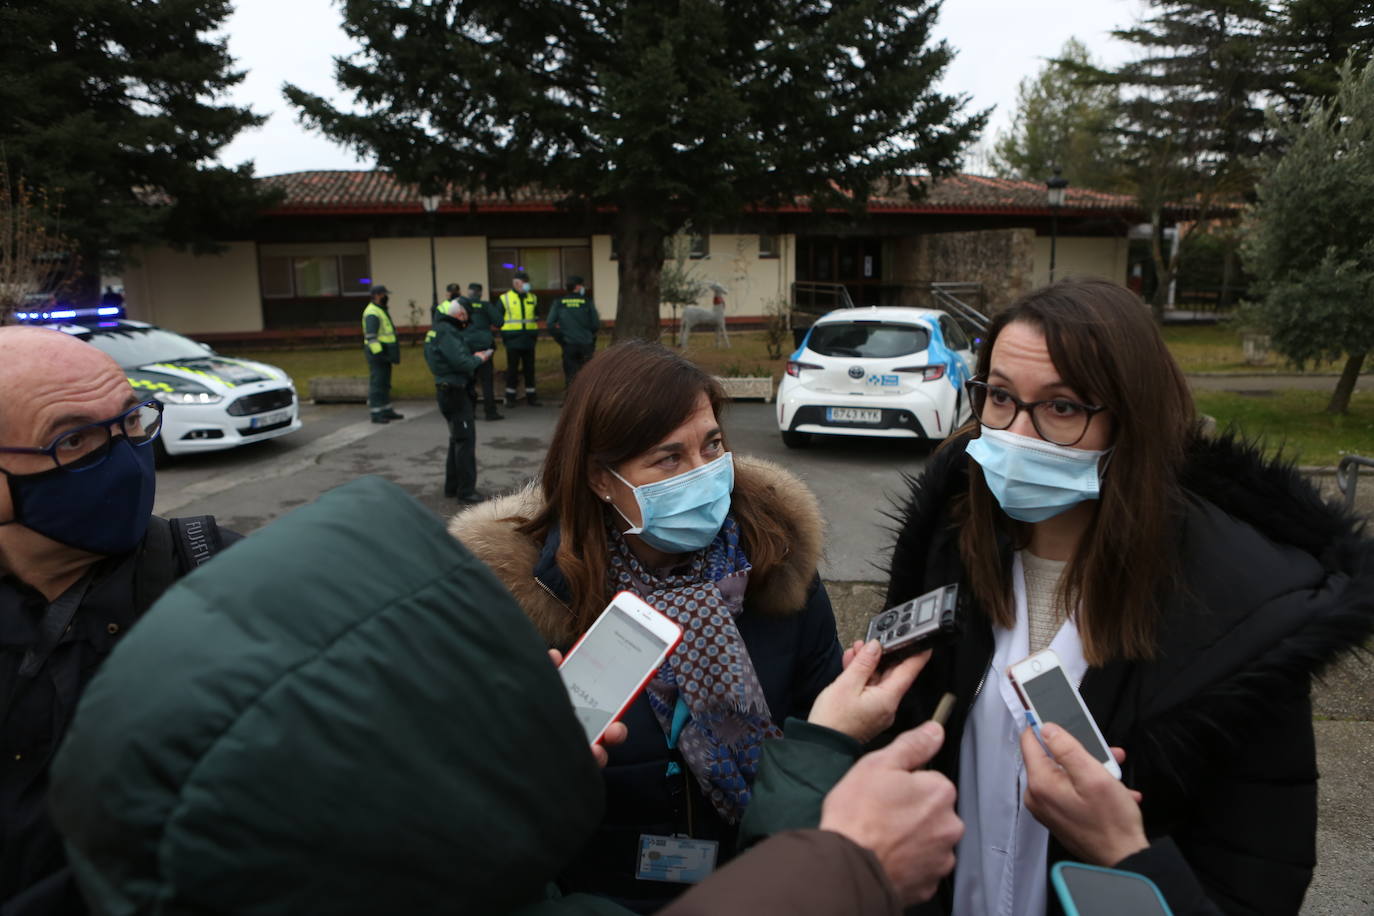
(101, 509)
(683, 514)
(1034, 480)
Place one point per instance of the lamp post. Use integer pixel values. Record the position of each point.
(431, 204)
(1055, 192)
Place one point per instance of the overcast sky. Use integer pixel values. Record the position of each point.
(280, 41)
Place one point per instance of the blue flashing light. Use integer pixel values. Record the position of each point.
(104, 311)
(63, 313)
(508, 266)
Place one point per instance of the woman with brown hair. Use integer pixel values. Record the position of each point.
(1189, 586)
(640, 492)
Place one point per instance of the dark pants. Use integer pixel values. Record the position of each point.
(485, 375)
(575, 356)
(378, 383)
(460, 469)
(515, 360)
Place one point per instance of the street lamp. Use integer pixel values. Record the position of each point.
(1055, 192)
(431, 204)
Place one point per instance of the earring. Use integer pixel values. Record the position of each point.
(607, 497)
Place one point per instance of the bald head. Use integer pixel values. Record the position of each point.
(50, 377)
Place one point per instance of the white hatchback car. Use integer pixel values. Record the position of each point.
(889, 372)
(211, 402)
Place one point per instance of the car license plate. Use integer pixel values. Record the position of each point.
(269, 419)
(853, 415)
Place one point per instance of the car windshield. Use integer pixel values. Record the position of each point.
(132, 347)
(868, 339)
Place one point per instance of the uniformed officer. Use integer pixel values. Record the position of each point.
(383, 352)
(519, 331)
(453, 364)
(573, 322)
(483, 318)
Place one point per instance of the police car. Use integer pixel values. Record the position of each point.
(886, 372)
(211, 402)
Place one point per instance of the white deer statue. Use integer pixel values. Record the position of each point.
(714, 318)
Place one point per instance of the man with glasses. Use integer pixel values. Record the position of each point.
(81, 558)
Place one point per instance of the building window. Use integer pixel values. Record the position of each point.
(313, 276)
(769, 247)
(549, 266)
(701, 246)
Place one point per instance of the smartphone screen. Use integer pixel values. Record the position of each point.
(608, 666)
(1054, 701)
(1090, 891)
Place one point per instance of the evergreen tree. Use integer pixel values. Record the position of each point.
(670, 113)
(112, 106)
(1310, 40)
(1061, 120)
(1309, 238)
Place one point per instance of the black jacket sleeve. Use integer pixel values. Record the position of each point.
(819, 655)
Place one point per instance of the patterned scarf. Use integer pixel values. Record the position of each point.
(711, 670)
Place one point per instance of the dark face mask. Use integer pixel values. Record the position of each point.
(102, 509)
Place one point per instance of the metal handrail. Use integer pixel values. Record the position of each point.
(838, 291)
(1348, 476)
(947, 296)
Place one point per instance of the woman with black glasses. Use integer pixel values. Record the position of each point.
(1190, 588)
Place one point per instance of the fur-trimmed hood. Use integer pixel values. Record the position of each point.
(489, 531)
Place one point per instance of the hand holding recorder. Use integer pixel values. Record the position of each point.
(862, 701)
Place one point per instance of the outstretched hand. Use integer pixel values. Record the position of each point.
(1086, 808)
(862, 701)
(616, 732)
(903, 814)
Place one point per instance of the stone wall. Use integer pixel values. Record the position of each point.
(1002, 260)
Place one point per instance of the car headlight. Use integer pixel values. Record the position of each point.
(189, 393)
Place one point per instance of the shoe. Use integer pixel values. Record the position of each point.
(534, 402)
(392, 415)
(380, 418)
(495, 416)
(510, 402)
(472, 499)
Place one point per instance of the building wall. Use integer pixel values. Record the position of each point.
(402, 265)
(732, 261)
(1081, 257)
(195, 294)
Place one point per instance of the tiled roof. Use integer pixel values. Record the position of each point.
(381, 192)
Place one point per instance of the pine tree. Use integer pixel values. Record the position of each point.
(1310, 40)
(112, 107)
(1309, 238)
(668, 112)
(1063, 121)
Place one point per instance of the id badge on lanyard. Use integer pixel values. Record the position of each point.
(676, 859)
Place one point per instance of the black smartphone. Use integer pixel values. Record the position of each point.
(918, 624)
(1087, 890)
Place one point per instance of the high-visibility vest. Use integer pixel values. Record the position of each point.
(519, 311)
(386, 331)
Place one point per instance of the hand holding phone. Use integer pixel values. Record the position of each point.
(1047, 693)
(608, 667)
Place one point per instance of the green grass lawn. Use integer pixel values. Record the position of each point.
(1216, 348)
(1295, 423)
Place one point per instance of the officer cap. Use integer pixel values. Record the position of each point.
(379, 288)
(474, 287)
(521, 275)
(574, 281)
(452, 288)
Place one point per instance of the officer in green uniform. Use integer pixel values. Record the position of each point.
(453, 364)
(383, 352)
(573, 322)
(483, 318)
(519, 331)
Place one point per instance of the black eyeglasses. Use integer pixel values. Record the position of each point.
(87, 446)
(1058, 420)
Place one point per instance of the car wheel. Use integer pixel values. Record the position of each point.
(796, 440)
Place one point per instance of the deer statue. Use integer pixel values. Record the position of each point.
(714, 317)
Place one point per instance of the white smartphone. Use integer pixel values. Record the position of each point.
(608, 667)
(1046, 691)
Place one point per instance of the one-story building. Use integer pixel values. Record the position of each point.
(306, 265)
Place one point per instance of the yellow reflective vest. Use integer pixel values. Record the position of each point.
(386, 331)
(521, 326)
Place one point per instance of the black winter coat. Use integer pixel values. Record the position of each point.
(1218, 728)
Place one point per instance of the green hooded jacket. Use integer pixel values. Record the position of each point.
(346, 714)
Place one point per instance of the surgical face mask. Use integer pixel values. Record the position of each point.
(1034, 480)
(383, 301)
(99, 509)
(683, 514)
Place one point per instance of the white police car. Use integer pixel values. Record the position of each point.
(211, 402)
(888, 372)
